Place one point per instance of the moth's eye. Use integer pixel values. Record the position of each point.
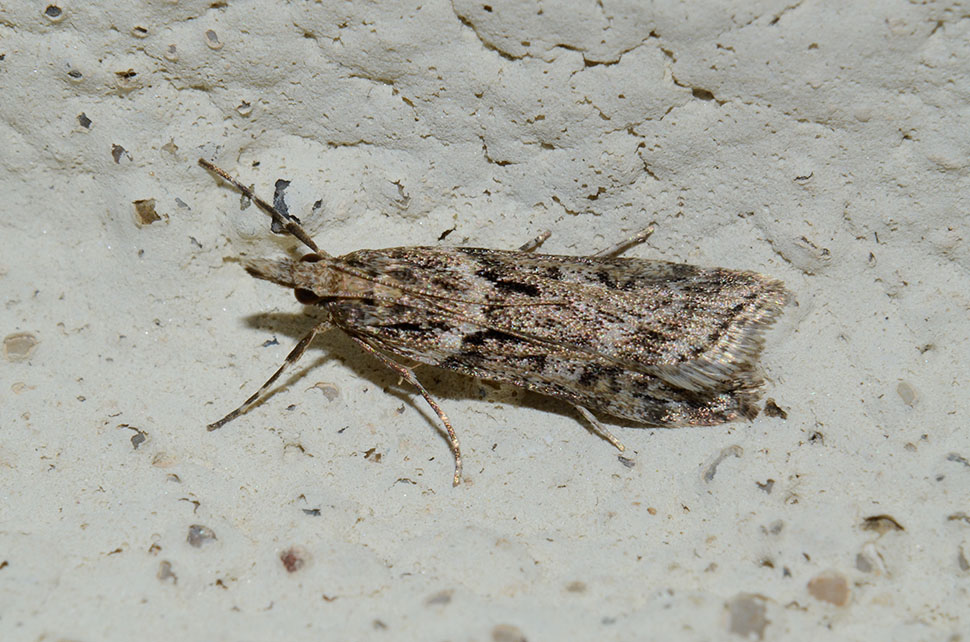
(310, 258)
(306, 297)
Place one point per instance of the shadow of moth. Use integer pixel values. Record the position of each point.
(658, 343)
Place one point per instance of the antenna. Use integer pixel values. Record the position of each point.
(283, 220)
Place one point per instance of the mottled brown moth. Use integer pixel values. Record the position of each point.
(658, 343)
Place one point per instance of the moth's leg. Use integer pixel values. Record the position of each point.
(536, 242)
(600, 428)
(407, 374)
(291, 358)
(285, 221)
(636, 239)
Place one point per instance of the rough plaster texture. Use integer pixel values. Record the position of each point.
(825, 143)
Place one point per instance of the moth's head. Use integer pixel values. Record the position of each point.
(287, 273)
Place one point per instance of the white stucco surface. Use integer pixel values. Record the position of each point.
(824, 143)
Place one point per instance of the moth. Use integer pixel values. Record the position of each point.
(659, 343)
